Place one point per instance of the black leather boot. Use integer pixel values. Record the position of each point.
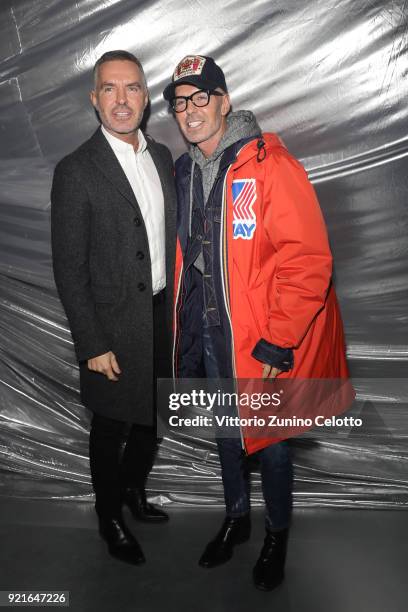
(233, 531)
(140, 508)
(268, 572)
(121, 543)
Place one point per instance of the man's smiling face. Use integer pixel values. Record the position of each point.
(205, 125)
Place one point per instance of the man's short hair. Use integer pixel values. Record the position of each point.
(120, 55)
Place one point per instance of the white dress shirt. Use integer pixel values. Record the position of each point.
(145, 182)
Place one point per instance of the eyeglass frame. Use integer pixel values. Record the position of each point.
(209, 92)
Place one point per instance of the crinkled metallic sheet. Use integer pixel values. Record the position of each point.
(331, 79)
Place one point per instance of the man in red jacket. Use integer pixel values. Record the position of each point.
(254, 297)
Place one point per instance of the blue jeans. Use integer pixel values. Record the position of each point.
(275, 460)
(276, 474)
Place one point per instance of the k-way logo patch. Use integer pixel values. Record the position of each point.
(243, 199)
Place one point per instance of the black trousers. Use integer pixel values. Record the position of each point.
(121, 454)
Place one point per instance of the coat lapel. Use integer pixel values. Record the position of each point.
(103, 157)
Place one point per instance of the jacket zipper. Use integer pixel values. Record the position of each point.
(176, 322)
(224, 263)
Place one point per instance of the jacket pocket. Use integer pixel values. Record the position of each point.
(257, 305)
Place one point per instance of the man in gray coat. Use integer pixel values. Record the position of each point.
(113, 244)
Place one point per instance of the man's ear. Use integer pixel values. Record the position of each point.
(92, 97)
(146, 99)
(226, 105)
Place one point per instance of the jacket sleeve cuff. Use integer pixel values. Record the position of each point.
(281, 358)
(88, 349)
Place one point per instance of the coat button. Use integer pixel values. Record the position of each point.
(141, 286)
(140, 255)
(137, 221)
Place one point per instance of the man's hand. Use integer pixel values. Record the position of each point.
(105, 364)
(269, 371)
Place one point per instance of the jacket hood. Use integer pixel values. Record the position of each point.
(265, 143)
(240, 124)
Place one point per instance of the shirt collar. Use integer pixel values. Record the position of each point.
(119, 146)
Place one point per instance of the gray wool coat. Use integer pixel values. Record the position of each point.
(102, 271)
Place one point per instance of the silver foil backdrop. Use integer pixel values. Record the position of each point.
(331, 79)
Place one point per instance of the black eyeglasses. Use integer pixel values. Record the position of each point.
(198, 98)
